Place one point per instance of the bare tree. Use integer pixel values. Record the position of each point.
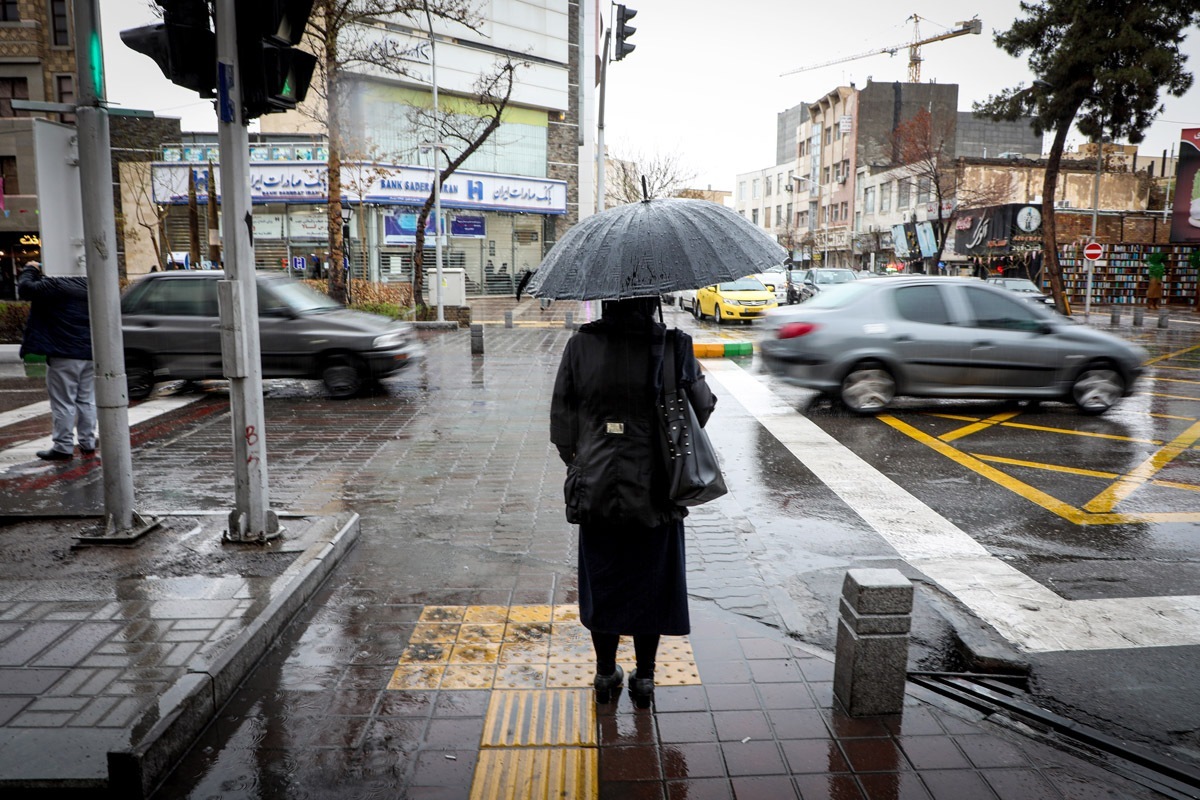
(348, 34)
(143, 211)
(665, 175)
(923, 150)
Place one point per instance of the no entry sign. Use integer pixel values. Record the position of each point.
(1093, 251)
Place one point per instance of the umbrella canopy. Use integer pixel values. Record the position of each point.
(653, 247)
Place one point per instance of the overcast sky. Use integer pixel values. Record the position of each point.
(705, 81)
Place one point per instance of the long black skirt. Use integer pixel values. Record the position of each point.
(633, 580)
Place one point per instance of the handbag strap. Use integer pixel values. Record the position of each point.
(669, 363)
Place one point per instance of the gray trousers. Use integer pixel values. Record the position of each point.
(71, 383)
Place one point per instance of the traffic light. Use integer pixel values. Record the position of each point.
(624, 31)
(183, 45)
(275, 74)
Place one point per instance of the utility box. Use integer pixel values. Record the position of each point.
(454, 286)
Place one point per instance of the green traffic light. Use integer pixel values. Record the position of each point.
(96, 65)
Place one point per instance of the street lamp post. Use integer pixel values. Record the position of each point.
(1091, 265)
(347, 255)
(437, 179)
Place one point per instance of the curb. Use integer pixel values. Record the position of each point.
(193, 701)
(722, 349)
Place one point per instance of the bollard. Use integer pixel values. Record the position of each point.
(508, 319)
(1162, 319)
(1138, 315)
(569, 322)
(476, 339)
(1114, 316)
(871, 659)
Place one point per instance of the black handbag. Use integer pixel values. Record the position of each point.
(693, 472)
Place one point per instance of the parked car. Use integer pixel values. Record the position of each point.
(871, 340)
(797, 292)
(743, 299)
(775, 279)
(1027, 289)
(816, 279)
(171, 329)
(684, 300)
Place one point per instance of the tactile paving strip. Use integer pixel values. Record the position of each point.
(562, 717)
(518, 647)
(518, 773)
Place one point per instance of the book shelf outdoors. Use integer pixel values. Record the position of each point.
(1121, 278)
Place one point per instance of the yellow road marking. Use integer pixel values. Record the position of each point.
(976, 427)
(1129, 483)
(1166, 356)
(1167, 396)
(958, 434)
(1016, 462)
(1173, 380)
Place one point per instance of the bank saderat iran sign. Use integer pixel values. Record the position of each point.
(305, 182)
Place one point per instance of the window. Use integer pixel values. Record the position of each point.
(754, 216)
(754, 186)
(65, 88)
(869, 200)
(993, 310)
(825, 175)
(60, 31)
(767, 217)
(182, 298)
(845, 211)
(741, 190)
(923, 190)
(922, 304)
(789, 210)
(8, 171)
(768, 187)
(903, 190)
(779, 218)
(885, 198)
(9, 11)
(12, 89)
(828, 135)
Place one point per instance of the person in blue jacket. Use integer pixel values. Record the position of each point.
(59, 328)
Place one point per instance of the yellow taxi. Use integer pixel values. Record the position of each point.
(744, 299)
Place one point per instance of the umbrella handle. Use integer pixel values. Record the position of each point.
(645, 192)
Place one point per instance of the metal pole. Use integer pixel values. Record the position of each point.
(437, 175)
(1087, 301)
(600, 156)
(104, 294)
(251, 519)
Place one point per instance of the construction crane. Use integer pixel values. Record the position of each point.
(973, 25)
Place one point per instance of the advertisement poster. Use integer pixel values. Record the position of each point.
(468, 227)
(899, 242)
(402, 229)
(1185, 211)
(927, 239)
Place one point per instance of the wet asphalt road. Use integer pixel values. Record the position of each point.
(459, 493)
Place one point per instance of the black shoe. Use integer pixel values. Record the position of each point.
(87, 451)
(641, 690)
(605, 685)
(54, 455)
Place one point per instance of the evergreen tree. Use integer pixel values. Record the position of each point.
(1100, 65)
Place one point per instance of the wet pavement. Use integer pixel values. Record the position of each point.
(442, 657)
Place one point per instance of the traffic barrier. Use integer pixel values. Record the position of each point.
(871, 657)
(1138, 316)
(476, 339)
(1114, 316)
(508, 319)
(1162, 319)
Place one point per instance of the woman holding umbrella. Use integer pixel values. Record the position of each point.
(604, 422)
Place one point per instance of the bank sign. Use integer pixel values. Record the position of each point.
(306, 182)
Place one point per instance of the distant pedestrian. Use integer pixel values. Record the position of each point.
(59, 328)
(604, 422)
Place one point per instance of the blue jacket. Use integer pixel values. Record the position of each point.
(59, 324)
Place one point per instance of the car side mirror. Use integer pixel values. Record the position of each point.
(279, 311)
(1046, 327)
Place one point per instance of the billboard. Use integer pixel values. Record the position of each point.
(1185, 211)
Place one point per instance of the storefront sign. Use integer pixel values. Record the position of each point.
(468, 227)
(306, 183)
(402, 228)
(308, 226)
(268, 226)
(1185, 211)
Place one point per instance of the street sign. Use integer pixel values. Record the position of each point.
(1093, 251)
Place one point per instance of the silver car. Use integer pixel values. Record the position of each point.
(869, 341)
(171, 331)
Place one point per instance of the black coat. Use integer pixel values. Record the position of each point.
(604, 420)
(59, 324)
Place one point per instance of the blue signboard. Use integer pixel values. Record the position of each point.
(299, 263)
(402, 228)
(473, 227)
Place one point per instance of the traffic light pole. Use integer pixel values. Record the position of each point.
(104, 293)
(251, 519)
(601, 166)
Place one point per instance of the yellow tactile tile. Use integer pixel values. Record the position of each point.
(527, 632)
(674, 673)
(442, 614)
(566, 613)
(481, 632)
(518, 773)
(429, 652)
(521, 676)
(486, 614)
(561, 676)
(411, 676)
(524, 652)
(563, 717)
(426, 632)
(531, 613)
(475, 653)
(469, 676)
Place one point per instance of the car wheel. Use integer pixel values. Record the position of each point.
(139, 378)
(344, 377)
(696, 310)
(1097, 389)
(868, 388)
(717, 314)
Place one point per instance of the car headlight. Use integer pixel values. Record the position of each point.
(389, 340)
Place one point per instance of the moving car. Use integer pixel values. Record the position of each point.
(797, 292)
(871, 340)
(743, 299)
(1027, 289)
(172, 331)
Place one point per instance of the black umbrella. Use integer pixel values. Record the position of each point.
(653, 247)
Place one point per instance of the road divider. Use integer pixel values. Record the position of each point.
(722, 349)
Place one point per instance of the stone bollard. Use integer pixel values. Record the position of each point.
(1114, 316)
(1138, 315)
(476, 339)
(1163, 322)
(508, 319)
(569, 322)
(871, 659)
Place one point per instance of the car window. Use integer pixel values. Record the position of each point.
(834, 276)
(180, 298)
(922, 304)
(990, 309)
(743, 285)
(839, 295)
(299, 297)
